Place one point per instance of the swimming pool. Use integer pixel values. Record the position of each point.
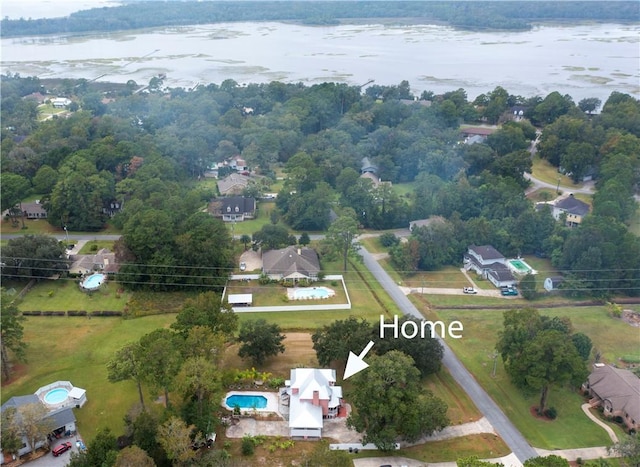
(246, 401)
(56, 396)
(94, 281)
(519, 266)
(311, 293)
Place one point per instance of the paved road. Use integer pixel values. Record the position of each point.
(503, 426)
(586, 188)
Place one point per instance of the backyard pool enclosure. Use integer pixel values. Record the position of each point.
(61, 394)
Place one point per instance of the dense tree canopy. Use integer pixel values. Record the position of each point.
(33, 256)
(390, 404)
(538, 352)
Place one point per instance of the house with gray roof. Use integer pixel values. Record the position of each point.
(617, 391)
(238, 209)
(33, 210)
(291, 263)
(489, 263)
(313, 397)
(103, 261)
(62, 421)
(233, 184)
(574, 209)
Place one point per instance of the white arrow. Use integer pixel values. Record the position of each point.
(355, 363)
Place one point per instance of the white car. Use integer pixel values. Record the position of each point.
(470, 290)
(243, 266)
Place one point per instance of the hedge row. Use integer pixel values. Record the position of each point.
(72, 313)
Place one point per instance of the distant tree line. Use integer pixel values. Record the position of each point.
(468, 15)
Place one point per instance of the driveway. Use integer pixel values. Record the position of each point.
(48, 460)
(253, 260)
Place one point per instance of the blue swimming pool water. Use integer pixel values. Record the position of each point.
(55, 396)
(247, 402)
(94, 281)
(311, 292)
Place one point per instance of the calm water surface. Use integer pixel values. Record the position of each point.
(587, 60)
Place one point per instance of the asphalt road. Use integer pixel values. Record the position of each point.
(502, 425)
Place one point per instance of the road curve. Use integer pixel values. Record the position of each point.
(502, 425)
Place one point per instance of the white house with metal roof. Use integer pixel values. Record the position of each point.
(313, 396)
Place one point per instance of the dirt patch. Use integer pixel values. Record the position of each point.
(533, 410)
(298, 353)
(631, 317)
(252, 259)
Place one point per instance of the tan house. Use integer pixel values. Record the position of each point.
(233, 184)
(103, 261)
(291, 263)
(572, 207)
(617, 391)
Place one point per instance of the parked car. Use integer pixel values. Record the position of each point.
(243, 266)
(61, 449)
(470, 290)
(508, 291)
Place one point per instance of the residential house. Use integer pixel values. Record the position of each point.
(375, 180)
(103, 261)
(489, 263)
(33, 210)
(291, 263)
(367, 166)
(238, 163)
(617, 391)
(478, 134)
(238, 209)
(313, 396)
(60, 416)
(551, 284)
(60, 102)
(233, 184)
(574, 209)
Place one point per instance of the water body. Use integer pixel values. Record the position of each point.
(584, 60)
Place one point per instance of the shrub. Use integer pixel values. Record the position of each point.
(389, 239)
(32, 313)
(76, 313)
(248, 446)
(551, 413)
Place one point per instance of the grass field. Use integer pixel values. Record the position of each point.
(65, 294)
(77, 350)
(41, 226)
(546, 172)
(572, 429)
(93, 246)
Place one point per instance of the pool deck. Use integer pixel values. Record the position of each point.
(513, 265)
(272, 400)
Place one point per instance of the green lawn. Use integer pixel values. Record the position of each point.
(572, 428)
(404, 189)
(93, 246)
(251, 226)
(77, 349)
(546, 172)
(372, 245)
(41, 226)
(276, 295)
(65, 294)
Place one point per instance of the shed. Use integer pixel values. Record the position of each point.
(241, 299)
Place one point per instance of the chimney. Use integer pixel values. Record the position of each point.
(299, 251)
